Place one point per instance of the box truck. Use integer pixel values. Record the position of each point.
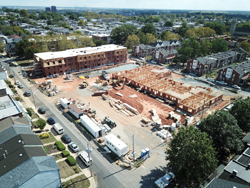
(90, 126)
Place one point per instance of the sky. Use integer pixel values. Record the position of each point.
(243, 5)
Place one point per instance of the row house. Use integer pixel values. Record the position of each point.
(142, 50)
(164, 56)
(10, 47)
(235, 74)
(203, 65)
(80, 59)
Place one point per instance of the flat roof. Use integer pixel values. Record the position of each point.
(115, 141)
(78, 51)
(8, 107)
(87, 120)
(3, 85)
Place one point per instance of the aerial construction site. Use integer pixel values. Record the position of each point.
(159, 83)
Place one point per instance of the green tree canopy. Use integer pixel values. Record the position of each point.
(241, 112)
(200, 32)
(166, 35)
(24, 13)
(99, 42)
(168, 24)
(222, 127)
(219, 45)
(120, 34)
(191, 155)
(41, 123)
(205, 47)
(217, 26)
(131, 41)
(245, 45)
(1, 47)
(149, 28)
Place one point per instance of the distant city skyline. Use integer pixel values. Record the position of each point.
(237, 5)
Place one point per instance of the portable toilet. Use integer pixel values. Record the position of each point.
(147, 151)
(178, 123)
(173, 126)
(143, 153)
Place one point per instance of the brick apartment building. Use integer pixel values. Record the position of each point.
(142, 50)
(80, 59)
(202, 65)
(235, 74)
(164, 56)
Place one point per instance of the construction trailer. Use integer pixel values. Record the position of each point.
(75, 111)
(116, 145)
(105, 75)
(100, 92)
(64, 102)
(90, 126)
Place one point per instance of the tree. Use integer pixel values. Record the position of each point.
(120, 34)
(219, 45)
(142, 37)
(47, 28)
(78, 32)
(217, 26)
(149, 28)
(1, 47)
(245, 45)
(150, 38)
(82, 23)
(99, 42)
(131, 41)
(222, 127)
(191, 155)
(168, 24)
(183, 29)
(241, 112)
(21, 45)
(41, 123)
(166, 35)
(205, 47)
(24, 13)
(83, 41)
(200, 32)
(65, 44)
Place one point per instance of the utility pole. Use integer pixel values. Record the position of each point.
(133, 148)
(89, 160)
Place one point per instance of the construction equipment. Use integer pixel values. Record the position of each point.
(109, 122)
(84, 84)
(98, 81)
(105, 75)
(105, 84)
(123, 83)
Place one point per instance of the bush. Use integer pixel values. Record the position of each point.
(11, 86)
(18, 98)
(44, 135)
(71, 160)
(14, 91)
(60, 145)
(29, 112)
(65, 153)
(41, 123)
(7, 82)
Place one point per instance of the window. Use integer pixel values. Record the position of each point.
(48, 68)
(48, 63)
(54, 62)
(59, 61)
(60, 66)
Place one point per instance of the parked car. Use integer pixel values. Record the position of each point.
(228, 107)
(20, 86)
(74, 147)
(222, 83)
(236, 87)
(165, 180)
(41, 110)
(51, 121)
(27, 93)
(141, 58)
(210, 79)
(11, 76)
(66, 138)
(192, 74)
(153, 62)
(17, 82)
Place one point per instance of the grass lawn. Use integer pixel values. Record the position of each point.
(50, 148)
(66, 170)
(50, 139)
(212, 74)
(34, 115)
(78, 182)
(58, 156)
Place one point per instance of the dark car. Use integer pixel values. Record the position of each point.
(41, 110)
(11, 75)
(51, 121)
(27, 93)
(66, 138)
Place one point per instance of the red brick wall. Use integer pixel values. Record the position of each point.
(230, 80)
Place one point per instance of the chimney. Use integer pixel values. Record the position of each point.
(235, 172)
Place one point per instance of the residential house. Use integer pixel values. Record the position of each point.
(235, 74)
(164, 56)
(8, 106)
(25, 163)
(235, 174)
(3, 73)
(10, 47)
(105, 37)
(202, 65)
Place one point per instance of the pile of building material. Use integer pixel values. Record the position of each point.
(131, 108)
(123, 107)
(164, 134)
(155, 116)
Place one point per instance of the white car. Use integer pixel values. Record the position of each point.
(74, 147)
(236, 87)
(17, 82)
(222, 83)
(153, 62)
(228, 107)
(210, 79)
(141, 58)
(165, 180)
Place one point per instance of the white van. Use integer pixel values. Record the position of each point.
(58, 128)
(83, 155)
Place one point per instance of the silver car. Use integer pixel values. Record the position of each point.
(74, 147)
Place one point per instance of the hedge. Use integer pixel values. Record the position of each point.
(60, 145)
(65, 153)
(44, 135)
(71, 160)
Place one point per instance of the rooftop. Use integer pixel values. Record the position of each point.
(8, 107)
(116, 141)
(74, 108)
(78, 51)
